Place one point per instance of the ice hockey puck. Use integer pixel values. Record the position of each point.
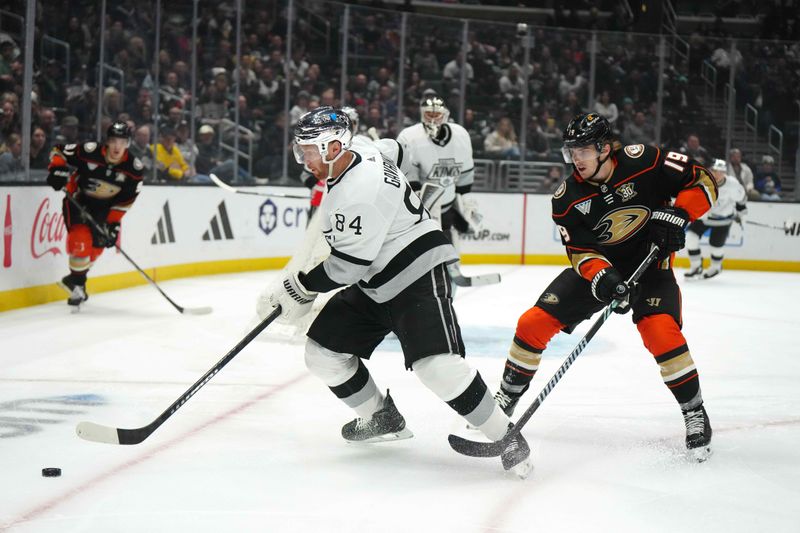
(51, 472)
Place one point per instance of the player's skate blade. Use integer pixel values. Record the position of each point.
(403, 434)
(701, 454)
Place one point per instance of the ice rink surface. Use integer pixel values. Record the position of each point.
(259, 448)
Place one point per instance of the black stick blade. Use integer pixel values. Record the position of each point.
(477, 449)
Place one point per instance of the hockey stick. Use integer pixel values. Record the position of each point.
(493, 449)
(473, 281)
(770, 226)
(222, 185)
(111, 435)
(88, 217)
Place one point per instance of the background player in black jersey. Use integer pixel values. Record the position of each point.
(105, 180)
(614, 206)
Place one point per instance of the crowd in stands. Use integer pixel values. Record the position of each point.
(626, 81)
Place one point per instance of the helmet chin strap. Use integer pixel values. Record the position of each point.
(332, 161)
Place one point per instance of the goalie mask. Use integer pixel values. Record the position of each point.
(314, 133)
(433, 113)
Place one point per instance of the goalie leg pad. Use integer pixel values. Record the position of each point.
(346, 376)
(462, 388)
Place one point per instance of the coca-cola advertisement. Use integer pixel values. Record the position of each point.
(48, 231)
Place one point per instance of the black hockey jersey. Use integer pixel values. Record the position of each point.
(606, 224)
(107, 191)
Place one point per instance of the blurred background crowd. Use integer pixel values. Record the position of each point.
(197, 110)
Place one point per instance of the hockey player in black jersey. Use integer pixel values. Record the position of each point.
(614, 206)
(105, 180)
(391, 257)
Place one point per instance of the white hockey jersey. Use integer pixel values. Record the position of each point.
(380, 235)
(731, 200)
(447, 162)
(388, 147)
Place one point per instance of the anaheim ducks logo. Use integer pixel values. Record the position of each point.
(621, 224)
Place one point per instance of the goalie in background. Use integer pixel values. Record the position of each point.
(439, 153)
(106, 181)
(731, 207)
(390, 257)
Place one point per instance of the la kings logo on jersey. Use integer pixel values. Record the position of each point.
(445, 171)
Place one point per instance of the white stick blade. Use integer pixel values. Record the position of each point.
(197, 310)
(485, 279)
(97, 433)
(219, 183)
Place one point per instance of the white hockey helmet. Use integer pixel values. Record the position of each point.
(433, 113)
(719, 165)
(352, 114)
(319, 128)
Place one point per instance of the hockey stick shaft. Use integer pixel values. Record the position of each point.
(491, 449)
(222, 185)
(99, 433)
(762, 225)
(86, 216)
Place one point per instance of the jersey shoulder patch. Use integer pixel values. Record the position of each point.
(634, 151)
(90, 147)
(560, 191)
(137, 164)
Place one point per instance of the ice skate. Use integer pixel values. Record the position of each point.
(516, 457)
(698, 433)
(711, 272)
(386, 424)
(694, 273)
(77, 291)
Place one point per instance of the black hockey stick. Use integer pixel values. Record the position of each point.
(88, 218)
(785, 226)
(493, 449)
(222, 185)
(111, 435)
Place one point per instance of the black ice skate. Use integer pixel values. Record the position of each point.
(386, 424)
(698, 433)
(516, 457)
(711, 272)
(694, 273)
(76, 290)
(507, 401)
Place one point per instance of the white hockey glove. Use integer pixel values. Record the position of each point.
(294, 299)
(468, 207)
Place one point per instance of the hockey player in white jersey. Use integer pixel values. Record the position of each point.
(730, 207)
(391, 256)
(439, 153)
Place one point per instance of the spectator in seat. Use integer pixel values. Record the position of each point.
(639, 131)
(11, 167)
(742, 172)
(171, 165)
(40, 151)
(503, 140)
(769, 191)
(140, 147)
(604, 106)
(767, 172)
(693, 149)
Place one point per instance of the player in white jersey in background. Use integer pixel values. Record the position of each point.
(391, 256)
(440, 153)
(730, 207)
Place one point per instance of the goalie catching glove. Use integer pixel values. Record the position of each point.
(294, 300)
(609, 285)
(668, 230)
(467, 205)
